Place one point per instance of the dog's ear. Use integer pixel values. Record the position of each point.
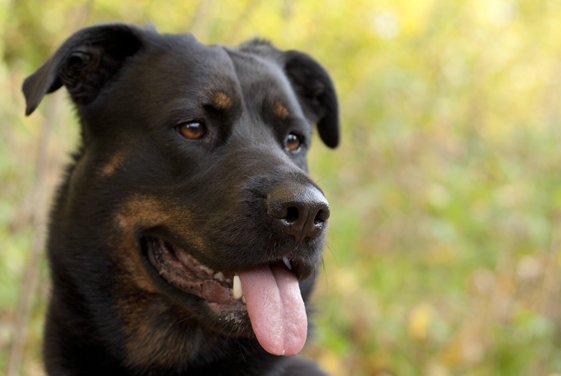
(316, 93)
(84, 63)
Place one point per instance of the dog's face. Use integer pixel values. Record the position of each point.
(193, 173)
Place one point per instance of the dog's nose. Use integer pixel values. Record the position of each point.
(300, 210)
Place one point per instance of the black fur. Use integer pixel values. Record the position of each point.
(137, 179)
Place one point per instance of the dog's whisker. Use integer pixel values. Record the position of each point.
(322, 178)
(183, 319)
(332, 250)
(334, 228)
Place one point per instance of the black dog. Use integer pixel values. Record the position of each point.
(189, 191)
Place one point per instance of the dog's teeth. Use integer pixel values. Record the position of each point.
(237, 289)
(206, 269)
(287, 263)
(228, 280)
(220, 276)
(243, 299)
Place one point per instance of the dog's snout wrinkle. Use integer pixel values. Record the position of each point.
(300, 211)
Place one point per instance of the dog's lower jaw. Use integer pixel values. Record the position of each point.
(186, 348)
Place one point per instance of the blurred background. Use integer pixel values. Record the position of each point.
(445, 237)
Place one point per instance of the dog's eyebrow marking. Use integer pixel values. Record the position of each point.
(280, 110)
(222, 101)
(110, 168)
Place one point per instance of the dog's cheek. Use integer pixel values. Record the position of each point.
(127, 257)
(156, 333)
(138, 217)
(154, 327)
(138, 214)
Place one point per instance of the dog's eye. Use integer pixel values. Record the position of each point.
(293, 142)
(192, 130)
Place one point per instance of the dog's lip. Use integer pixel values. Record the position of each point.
(183, 271)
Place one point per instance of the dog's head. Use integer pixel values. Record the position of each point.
(192, 174)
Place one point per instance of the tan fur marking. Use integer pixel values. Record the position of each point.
(143, 307)
(110, 168)
(222, 101)
(142, 213)
(280, 110)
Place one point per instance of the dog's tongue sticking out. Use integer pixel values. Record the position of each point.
(276, 308)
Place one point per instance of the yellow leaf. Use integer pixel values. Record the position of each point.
(419, 321)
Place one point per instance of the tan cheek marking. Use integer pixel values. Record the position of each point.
(110, 168)
(222, 101)
(125, 245)
(150, 336)
(140, 213)
(280, 110)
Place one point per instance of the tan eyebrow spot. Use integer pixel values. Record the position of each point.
(222, 101)
(280, 110)
(115, 162)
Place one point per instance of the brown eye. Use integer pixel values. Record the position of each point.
(192, 131)
(293, 142)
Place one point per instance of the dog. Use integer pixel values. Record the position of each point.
(187, 233)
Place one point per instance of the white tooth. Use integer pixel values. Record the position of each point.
(206, 269)
(220, 276)
(287, 263)
(237, 289)
(243, 299)
(228, 280)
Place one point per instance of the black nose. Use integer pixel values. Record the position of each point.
(301, 211)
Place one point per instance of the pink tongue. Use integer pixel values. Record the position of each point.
(276, 308)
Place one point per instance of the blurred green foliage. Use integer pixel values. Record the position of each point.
(445, 237)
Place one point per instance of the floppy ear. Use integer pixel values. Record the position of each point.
(316, 93)
(84, 63)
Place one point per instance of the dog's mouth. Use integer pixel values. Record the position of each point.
(185, 272)
(269, 293)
